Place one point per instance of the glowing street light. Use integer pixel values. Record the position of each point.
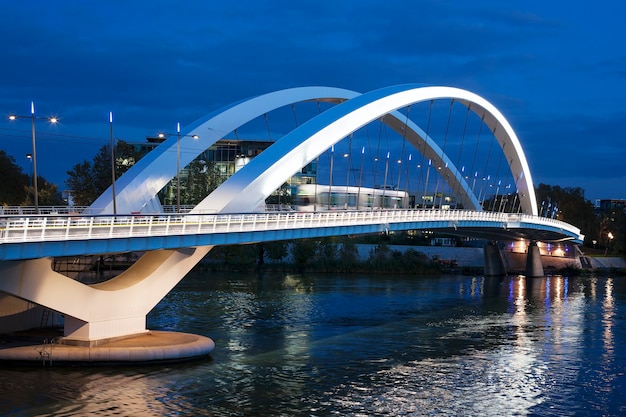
(178, 136)
(112, 161)
(32, 117)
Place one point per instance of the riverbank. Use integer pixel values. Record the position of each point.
(320, 256)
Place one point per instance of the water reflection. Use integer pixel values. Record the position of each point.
(363, 345)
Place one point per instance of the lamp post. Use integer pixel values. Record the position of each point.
(112, 161)
(178, 136)
(32, 117)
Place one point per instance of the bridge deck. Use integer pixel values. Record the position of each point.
(26, 237)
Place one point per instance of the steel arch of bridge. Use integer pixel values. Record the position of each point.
(249, 187)
(265, 173)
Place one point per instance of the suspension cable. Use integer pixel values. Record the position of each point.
(443, 152)
(458, 161)
(293, 110)
(349, 162)
(475, 173)
(406, 123)
(486, 177)
(377, 157)
(267, 125)
(430, 111)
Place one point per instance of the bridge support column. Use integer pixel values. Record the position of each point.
(99, 312)
(534, 268)
(494, 263)
(79, 332)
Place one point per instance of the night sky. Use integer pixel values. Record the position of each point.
(555, 69)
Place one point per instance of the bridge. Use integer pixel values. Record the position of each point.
(132, 219)
(37, 237)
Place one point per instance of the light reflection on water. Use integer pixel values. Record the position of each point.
(362, 345)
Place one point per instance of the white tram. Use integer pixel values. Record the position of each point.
(319, 197)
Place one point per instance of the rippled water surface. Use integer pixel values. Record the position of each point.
(305, 345)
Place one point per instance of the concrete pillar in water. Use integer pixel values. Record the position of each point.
(534, 268)
(494, 263)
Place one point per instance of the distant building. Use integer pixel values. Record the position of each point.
(230, 155)
(610, 206)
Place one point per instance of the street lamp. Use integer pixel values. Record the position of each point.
(178, 136)
(32, 117)
(112, 161)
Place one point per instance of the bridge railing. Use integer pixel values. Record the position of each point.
(70, 227)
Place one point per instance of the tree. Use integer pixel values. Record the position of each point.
(572, 207)
(282, 196)
(14, 182)
(303, 251)
(48, 195)
(201, 180)
(88, 180)
(277, 250)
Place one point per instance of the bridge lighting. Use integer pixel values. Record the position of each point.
(32, 117)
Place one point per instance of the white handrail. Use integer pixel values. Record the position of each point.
(43, 228)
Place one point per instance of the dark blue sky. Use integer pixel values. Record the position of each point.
(555, 69)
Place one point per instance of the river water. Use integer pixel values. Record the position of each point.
(362, 345)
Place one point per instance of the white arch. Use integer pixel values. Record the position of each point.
(141, 183)
(246, 190)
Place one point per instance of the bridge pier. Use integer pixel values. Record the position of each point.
(494, 262)
(534, 268)
(100, 315)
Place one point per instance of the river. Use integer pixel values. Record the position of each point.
(362, 345)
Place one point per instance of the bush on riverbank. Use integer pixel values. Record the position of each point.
(332, 254)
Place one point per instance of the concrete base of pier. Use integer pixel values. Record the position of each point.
(149, 347)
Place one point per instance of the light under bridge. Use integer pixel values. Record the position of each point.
(174, 244)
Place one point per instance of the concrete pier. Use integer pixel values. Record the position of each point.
(494, 262)
(534, 267)
(150, 347)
